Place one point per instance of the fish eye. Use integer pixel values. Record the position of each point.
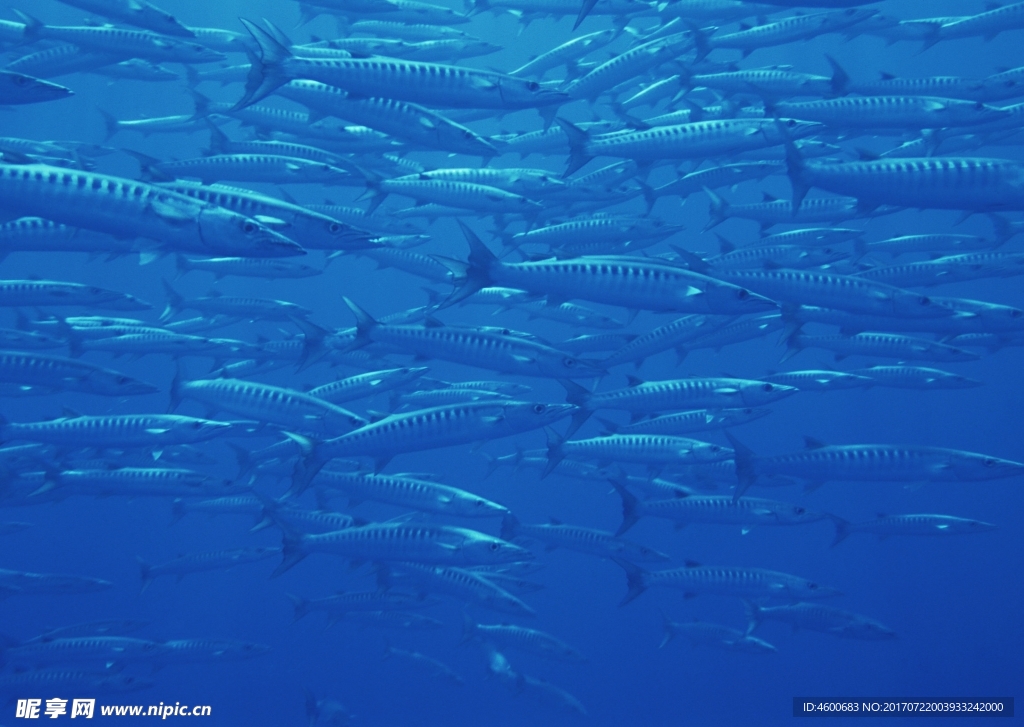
(990, 462)
(123, 379)
(249, 228)
(533, 85)
(569, 363)
(479, 503)
(743, 294)
(538, 408)
(813, 586)
(334, 228)
(799, 510)
(1016, 313)
(767, 387)
(197, 425)
(791, 123)
(925, 300)
(495, 546)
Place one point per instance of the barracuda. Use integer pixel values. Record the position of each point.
(17, 88)
(429, 544)
(713, 510)
(687, 422)
(267, 403)
(65, 374)
(726, 175)
(924, 524)
(625, 66)
(133, 482)
(888, 345)
(126, 208)
(916, 377)
(124, 42)
(843, 292)
(198, 562)
(642, 397)
(888, 112)
(565, 53)
(442, 426)
(501, 350)
(466, 585)
(313, 228)
(140, 13)
(117, 430)
(629, 282)
(582, 540)
(399, 119)
(697, 140)
(109, 650)
(820, 463)
(436, 84)
(695, 579)
(520, 638)
(408, 492)
(42, 293)
(787, 30)
(657, 451)
(674, 335)
(368, 384)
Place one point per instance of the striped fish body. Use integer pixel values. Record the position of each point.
(274, 404)
(964, 183)
(650, 449)
(117, 430)
(670, 394)
(737, 582)
(893, 112)
(886, 463)
(889, 345)
(126, 208)
(408, 492)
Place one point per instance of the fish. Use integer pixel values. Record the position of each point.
(923, 524)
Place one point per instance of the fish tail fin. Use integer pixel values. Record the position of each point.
(33, 25)
(753, 614)
(175, 393)
(840, 79)
(468, 628)
(477, 271)
(245, 462)
(669, 630)
(746, 474)
(312, 708)
(578, 396)
(306, 469)
(578, 140)
(177, 510)
(843, 529)
(267, 73)
(718, 209)
(145, 574)
(150, 167)
(111, 125)
(509, 527)
(300, 605)
(585, 9)
(796, 169)
(291, 551)
(313, 337)
(1002, 228)
(630, 505)
(636, 580)
(174, 301)
(218, 139)
(180, 265)
(793, 345)
(364, 325)
(555, 452)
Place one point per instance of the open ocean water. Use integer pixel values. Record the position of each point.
(926, 611)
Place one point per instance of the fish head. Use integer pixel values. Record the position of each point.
(19, 87)
(915, 305)
(707, 452)
(753, 645)
(485, 549)
(977, 526)
(199, 429)
(116, 384)
(469, 505)
(796, 514)
(641, 553)
(811, 589)
(523, 416)
(793, 128)
(507, 603)
(724, 298)
(952, 381)
(124, 301)
(238, 650)
(732, 417)
(969, 467)
(763, 392)
(124, 683)
(871, 630)
(567, 366)
(221, 230)
(196, 53)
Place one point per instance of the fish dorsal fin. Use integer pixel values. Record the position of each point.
(881, 515)
(765, 197)
(634, 380)
(431, 322)
(691, 563)
(554, 521)
(812, 443)
(887, 76)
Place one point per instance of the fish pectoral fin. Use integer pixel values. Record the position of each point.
(170, 213)
(157, 430)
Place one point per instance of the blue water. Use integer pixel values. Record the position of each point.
(954, 602)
